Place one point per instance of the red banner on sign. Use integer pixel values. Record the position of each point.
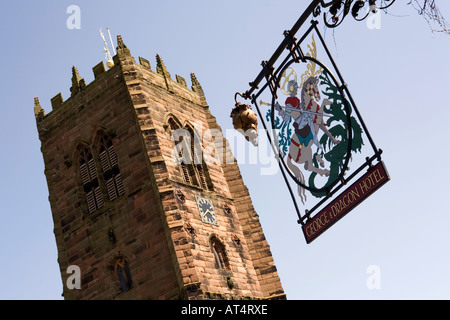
(375, 177)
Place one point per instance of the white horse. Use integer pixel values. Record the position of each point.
(308, 120)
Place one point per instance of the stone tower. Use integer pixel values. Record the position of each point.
(130, 210)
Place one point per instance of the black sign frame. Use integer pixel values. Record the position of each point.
(272, 77)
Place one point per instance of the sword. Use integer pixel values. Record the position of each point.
(290, 109)
(310, 112)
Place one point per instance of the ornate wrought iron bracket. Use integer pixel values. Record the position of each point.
(338, 9)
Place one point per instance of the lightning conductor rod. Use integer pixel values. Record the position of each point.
(110, 39)
(108, 56)
(282, 47)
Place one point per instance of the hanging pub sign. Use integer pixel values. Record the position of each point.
(327, 157)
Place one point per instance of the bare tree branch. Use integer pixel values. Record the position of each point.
(430, 11)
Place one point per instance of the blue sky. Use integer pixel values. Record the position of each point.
(398, 76)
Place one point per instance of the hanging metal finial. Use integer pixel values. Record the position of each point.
(109, 60)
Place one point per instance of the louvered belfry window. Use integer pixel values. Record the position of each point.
(189, 150)
(198, 165)
(199, 168)
(89, 180)
(110, 168)
(185, 166)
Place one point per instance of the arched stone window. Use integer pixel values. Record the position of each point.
(199, 166)
(89, 180)
(185, 166)
(220, 255)
(189, 151)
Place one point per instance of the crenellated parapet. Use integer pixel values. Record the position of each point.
(123, 63)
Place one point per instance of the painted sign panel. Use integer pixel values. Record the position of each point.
(346, 201)
(314, 126)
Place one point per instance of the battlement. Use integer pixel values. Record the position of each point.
(123, 62)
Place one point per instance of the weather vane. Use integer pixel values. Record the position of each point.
(109, 60)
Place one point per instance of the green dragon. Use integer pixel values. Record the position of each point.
(338, 127)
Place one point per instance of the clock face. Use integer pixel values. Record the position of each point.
(206, 209)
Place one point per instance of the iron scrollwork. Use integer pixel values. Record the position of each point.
(339, 9)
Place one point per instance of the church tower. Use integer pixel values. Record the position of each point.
(142, 202)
